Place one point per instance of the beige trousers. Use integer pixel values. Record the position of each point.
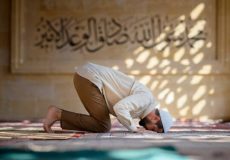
(98, 119)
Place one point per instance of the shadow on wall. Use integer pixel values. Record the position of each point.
(176, 76)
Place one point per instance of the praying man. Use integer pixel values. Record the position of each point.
(104, 91)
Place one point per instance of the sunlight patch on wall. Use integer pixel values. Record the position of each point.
(154, 85)
(170, 98)
(196, 80)
(182, 17)
(138, 50)
(209, 45)
(179, 54)
(166, 70)
(163, 84)
(199, 107)
(179, 89)
(135, 72)
(197, 46)
(164, 63)
(166, 52)
(185, 62)
(161, 45)
(180, 28)
(142, 57)
(206, 69)
(153, 71)
(160, 37)
(153, 61)
(184, 111)
(196, 12)
(129, 62)
(211, 91)
(187, 69)
(163, 93)
(181, 79)
(145, 80)
(174, 71)
(182, 101)
(199, 92)
(204, 118)
(198, 58)
(199, 26)
(115, 67)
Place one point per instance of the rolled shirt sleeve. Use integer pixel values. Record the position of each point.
(133, 106)
(124, 117)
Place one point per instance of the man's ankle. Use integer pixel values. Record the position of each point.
(59, 112)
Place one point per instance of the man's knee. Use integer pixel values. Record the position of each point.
(104, 128)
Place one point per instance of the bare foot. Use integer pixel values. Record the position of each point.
(53, 115)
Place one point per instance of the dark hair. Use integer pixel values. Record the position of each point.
(143, 122)
(159, 124)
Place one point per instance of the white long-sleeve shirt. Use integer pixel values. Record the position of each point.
(125, 97)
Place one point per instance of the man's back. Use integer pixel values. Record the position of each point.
(115, 85)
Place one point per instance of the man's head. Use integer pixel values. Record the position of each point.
(157, 121)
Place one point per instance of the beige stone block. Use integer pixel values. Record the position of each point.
(21, 88)
(19, 110)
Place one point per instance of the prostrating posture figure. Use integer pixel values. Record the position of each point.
(105, 91)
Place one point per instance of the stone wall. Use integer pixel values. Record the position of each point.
(191, 87)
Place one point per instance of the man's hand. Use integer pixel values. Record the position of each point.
(143, 130)
(140, 130)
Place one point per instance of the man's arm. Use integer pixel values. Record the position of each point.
(125, 118)
(122, 111)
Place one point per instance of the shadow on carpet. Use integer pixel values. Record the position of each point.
(152, 153)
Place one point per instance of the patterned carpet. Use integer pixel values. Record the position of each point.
(197, 140)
